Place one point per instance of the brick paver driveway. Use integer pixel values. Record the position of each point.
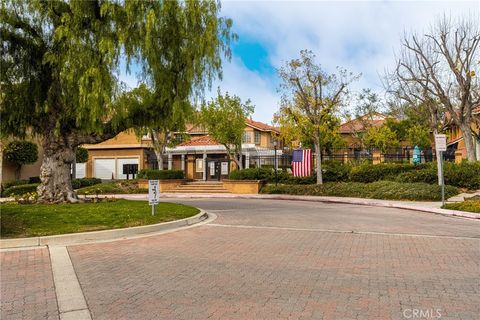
(264, 259)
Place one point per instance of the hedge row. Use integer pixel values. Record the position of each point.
(20, 189)
(85, 182)
(388, 190)
(153, 174)
(114, 187)
(463, 175)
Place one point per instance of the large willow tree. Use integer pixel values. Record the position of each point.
(60, 62)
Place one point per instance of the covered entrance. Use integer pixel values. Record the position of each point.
(217, 169)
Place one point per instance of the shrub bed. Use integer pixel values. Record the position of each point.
(467, 205)
(114, 187)
(20, 190)
(387, 190)
(85, 182)
(384, 171)
(463, 175)
(12, 183)
(153, 174)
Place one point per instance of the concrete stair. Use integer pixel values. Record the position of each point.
(200, 187)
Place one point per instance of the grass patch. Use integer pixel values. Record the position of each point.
(467, 205)
(29, 220)
(387, 190)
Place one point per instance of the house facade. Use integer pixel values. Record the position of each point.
(199, 155)
(203, 158)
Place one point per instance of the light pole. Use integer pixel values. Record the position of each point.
(275, 161)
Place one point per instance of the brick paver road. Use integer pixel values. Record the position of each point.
(27, 285)
(263, 259)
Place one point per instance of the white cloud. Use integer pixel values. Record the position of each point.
(360, 36)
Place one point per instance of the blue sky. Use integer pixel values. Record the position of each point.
(361, 36)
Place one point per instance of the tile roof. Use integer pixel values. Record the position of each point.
(357, 125)
(260, 125)
(199, 141)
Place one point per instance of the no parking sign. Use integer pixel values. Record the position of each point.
(153, 194)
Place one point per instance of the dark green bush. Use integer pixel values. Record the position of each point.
(334, 171)
(114, 187)
(14, 183)
(388, 190)
(424, 175)
(34, 180)
(462, 175)
(385, 171)
(153, 174)
(253, 174)
(85, 182)
(20, 189)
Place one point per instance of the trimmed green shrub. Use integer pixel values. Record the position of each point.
(114, 187)
(334, 171)
(462, 175)
(253, 174)
(14, 183)
(153, 174)
(34, 180)
(19, 153)
(20, 190)
(425, 176)
(388, 190)
(385, 171)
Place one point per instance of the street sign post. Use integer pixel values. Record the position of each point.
(441, 146)
(153, 194)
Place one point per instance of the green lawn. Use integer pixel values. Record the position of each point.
(468, 205)
(29, 220)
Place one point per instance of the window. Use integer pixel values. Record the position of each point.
(247, 137)
(257, 137)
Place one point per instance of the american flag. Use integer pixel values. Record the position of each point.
(302, 163)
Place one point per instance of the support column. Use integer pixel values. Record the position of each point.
(247, 160)
(205, 169)
(169, 161)
(183, 162)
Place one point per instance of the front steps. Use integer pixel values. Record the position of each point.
(200, 187)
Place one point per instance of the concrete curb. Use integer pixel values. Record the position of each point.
(104, 235)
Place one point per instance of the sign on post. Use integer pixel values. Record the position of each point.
(441, 146)
(441, 142)
(153, 194)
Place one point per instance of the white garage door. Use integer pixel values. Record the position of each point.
(80, 170)
(120, 163)
(104, 168)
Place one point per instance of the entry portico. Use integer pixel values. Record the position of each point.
(203, 158)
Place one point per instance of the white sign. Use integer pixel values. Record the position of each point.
(153, 192)
(224, 168)
(212, 168)
(441, 142)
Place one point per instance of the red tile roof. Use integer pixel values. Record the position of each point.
(358, 126)
(260, 126)
(200, 141)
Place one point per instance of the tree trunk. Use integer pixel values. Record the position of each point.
(318, 153)
(56, 186)
(469, 141)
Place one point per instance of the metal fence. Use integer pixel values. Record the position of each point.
(400, 155)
